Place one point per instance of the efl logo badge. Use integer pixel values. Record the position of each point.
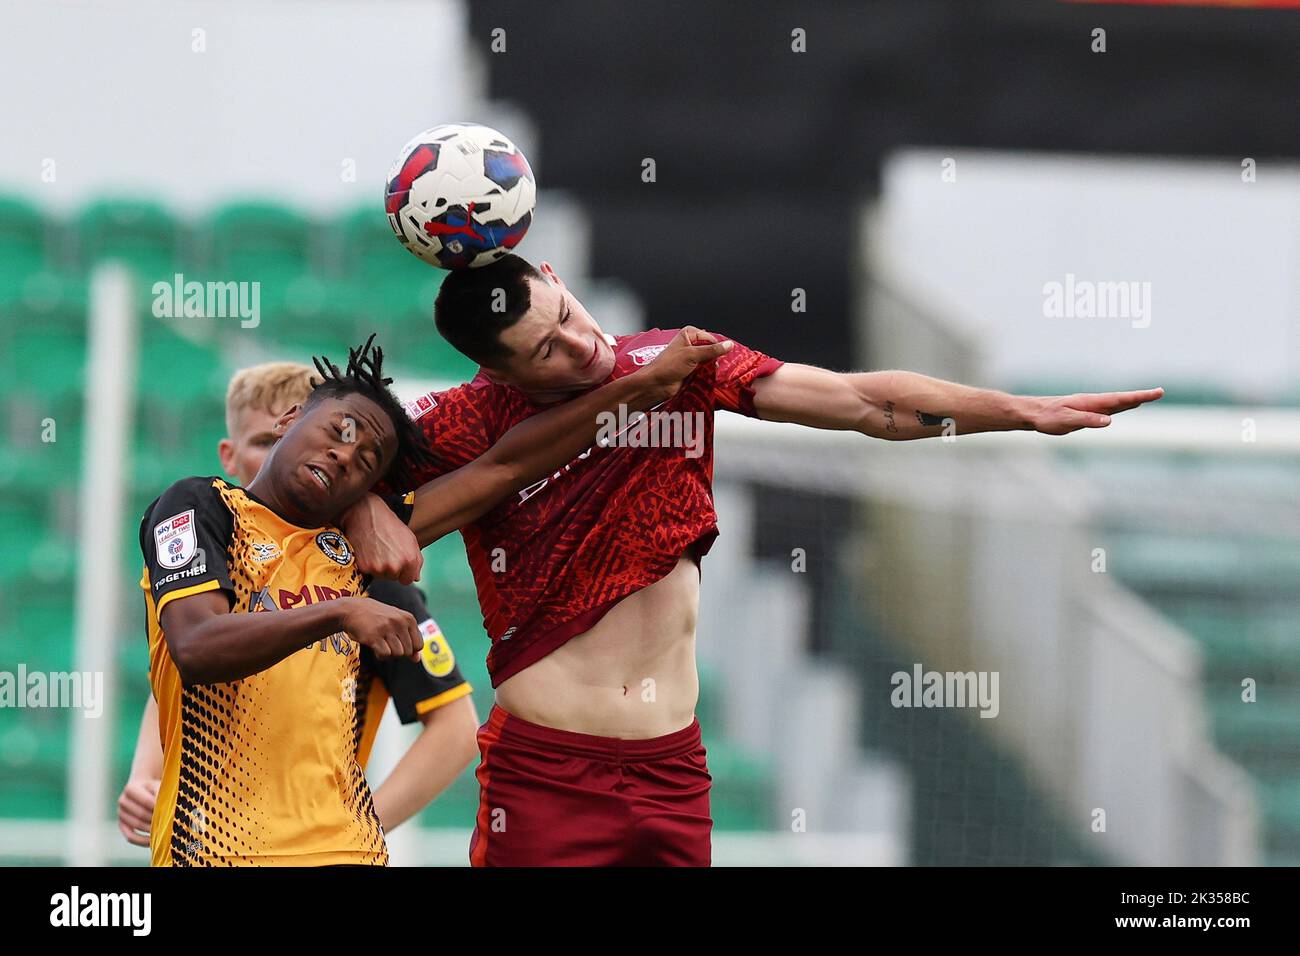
(420, 407)
(436, 655)
(646, 354)
(175, 540)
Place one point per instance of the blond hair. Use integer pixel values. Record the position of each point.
(272, 387)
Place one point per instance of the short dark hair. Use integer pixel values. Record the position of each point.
(365, 376)
(469, 310)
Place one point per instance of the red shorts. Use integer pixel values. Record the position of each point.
(552, 797)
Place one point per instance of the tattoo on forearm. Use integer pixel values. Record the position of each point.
(925, 418)
(889, 417)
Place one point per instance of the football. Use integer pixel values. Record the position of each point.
(460, 195)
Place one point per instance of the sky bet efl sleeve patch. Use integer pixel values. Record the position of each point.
(174, 540)
(184, 537)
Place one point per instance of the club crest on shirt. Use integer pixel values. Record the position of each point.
(176, 540)
(436, 655)
(646, 354)
(420, 407)
(335, 547)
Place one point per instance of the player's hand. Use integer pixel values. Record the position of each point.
(689, 349)
(1062, 414)
(381, 545)
(388, 631)
(135, 809)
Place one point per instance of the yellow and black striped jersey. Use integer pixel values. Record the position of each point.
(263, 770)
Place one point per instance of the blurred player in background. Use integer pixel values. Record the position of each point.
(431, 691)
(589, 579)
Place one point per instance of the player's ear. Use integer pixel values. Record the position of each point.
(548, 270)
(284, 421)
(226, 452)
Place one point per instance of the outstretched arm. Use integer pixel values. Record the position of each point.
(899, 406)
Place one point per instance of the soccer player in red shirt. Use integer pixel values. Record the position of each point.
(589, 580)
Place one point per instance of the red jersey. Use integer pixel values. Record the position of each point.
(551, 560)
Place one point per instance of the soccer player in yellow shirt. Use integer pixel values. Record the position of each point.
(431, 691)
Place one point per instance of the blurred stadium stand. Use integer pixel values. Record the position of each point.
(1191, 504)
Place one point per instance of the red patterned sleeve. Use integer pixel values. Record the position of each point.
(458, 426)
(736, 373)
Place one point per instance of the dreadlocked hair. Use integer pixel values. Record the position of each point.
(365, 376)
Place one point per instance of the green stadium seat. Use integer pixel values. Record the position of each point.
(242, 231)
(394, 294)
(709, 708)
(42, 352)
(53, 739)
(35, 466)
(456, 807)
(362, 245)
(42, 635)
(133, 658)
(175, 371)
(403, 299)
(1268, 728)
(364, 250)
(139, 232)
(1244, 637)
(395, 289)
(741, 795)
(23, 244)
(1198, 565)
(31, 785)
(23, 517)
(265, 243)
(427, 354)
(45, 363)
(405, 316)
(31, 552)
(321, 317)
(46, 299)
(1280, 800)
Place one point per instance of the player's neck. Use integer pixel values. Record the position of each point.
(262, 489)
